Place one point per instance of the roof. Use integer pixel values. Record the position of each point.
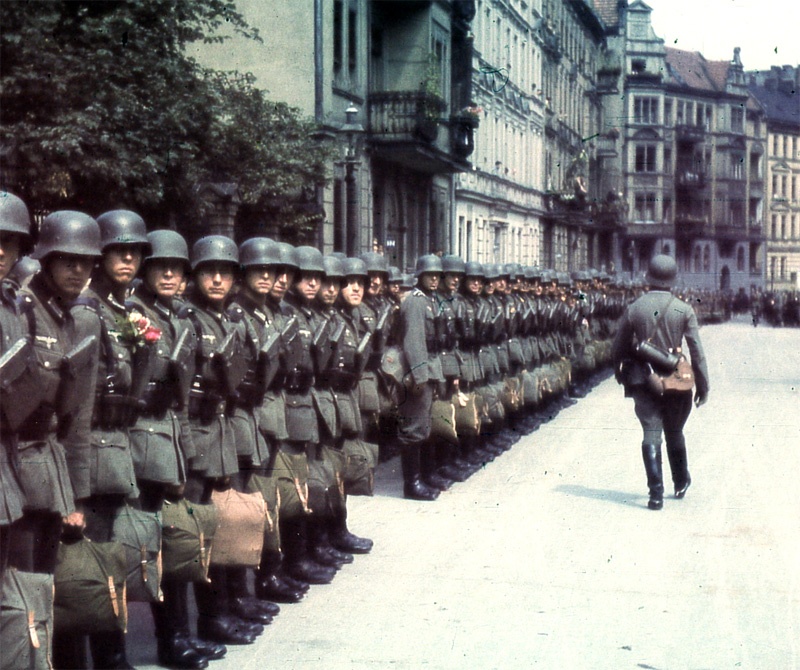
(692, 70)
(780, 104)
(607, 11)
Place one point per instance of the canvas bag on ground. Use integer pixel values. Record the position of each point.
(241, 521)
(187, 535)
(443, 421)
(90, 587)
(140, 533)
(468, 419)
(26, 620)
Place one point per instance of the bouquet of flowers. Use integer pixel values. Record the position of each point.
(472, 110)
(138, 330)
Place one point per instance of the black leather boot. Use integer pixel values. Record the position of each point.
(177, 651)
(69, 651)
(269, 583)
(175, 648)
(108, 650)
(413, 487)
(651, 455)
(343, 539)
(676, 453)
(294, 539)
(431, 475)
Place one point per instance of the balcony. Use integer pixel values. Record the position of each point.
(690, 225)
(412, 128)
(729, 231)
(689, 134)
(690, 179)
(650, 230)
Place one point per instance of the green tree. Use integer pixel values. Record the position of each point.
(102, 108)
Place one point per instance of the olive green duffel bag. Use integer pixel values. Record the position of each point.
(468, 413)
(443, 421)
(90, 587)
(187, 535)
(26, 620)
(361, 457)
(140, 533)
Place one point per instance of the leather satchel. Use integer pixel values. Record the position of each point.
(681, 379)
(26, 620)
(90, 587)
(241, 522)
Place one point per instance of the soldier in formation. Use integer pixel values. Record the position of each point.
(280, 376)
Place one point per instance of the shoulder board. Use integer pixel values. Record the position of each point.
(88, 302)
(418, 292)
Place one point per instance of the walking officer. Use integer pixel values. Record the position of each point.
(663, 319)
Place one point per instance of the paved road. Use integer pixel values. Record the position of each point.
(548, 558)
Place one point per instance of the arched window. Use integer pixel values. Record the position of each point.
(697, 265)
(707, 259)
(740, 259)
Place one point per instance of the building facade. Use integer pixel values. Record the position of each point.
(401, 68)
(776, 91)
(683, 149)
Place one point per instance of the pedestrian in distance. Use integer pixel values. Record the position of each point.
(662, 319)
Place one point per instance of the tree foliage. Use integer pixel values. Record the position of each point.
(102, 108)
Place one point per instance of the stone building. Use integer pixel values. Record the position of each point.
(401, 68)
(681, 155)
(778, 93)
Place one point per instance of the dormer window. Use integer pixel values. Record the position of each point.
(638, 66)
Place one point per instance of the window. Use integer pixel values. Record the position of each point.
(775, 186)
(707, 259)
(667, 112)
(775, 145)
(783, 267)
(644, 210)
(737, 166)
(667, 160)
(345, 44)
(737, 120)
(740, 259)
(645, 158)
(645, 110)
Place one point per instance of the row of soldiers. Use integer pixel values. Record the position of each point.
(279, 371)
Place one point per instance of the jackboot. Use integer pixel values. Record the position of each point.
(413, 486)
(343, 539)
(299, 564)
(320, 548)
(69, 651)
(108, 650)
(678, 465)
(175, 648)
(244, 605)
(651, 455)
(270, 585)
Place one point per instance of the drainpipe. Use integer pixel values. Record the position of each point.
(319, 115)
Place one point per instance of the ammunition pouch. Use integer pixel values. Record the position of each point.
(115, 410)
(340, 381)
(204, 406)
(249, 394)
(157, 398)
(39, 425)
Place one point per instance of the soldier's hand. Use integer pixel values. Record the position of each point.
(700, 399)
(73, 525)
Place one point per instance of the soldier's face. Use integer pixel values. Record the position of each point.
(329, 292)
(308, 284)
(69, 273)
(452, 281)
(394, 289)
(474, 285)
(9, 252)
(284, 276)
(429, 281)
(488, 288)
(164, 277)
(375, 283)
(353, 291)
(214, 281)
(500, 285)
(258, 280)
(121, 263)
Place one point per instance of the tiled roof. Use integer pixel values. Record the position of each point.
(607, 11)
(691, 69)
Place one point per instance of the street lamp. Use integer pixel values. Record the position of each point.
(351, 130)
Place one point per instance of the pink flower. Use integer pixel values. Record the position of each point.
(152, 334)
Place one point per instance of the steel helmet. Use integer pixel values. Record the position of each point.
(474, 269)
(430, 263)
(662, 271)
(453, 264)
(354, 267)
(121, 226)
(334, 267)
(407, 282)
(167, 244)
(214, 249)
(532, 273)
(68, 232)
(259, 251)
(14, 215)
(395, 275)
(308, 259)
(508, 270)
(286, 255)
(375, 262)
(492, 271)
